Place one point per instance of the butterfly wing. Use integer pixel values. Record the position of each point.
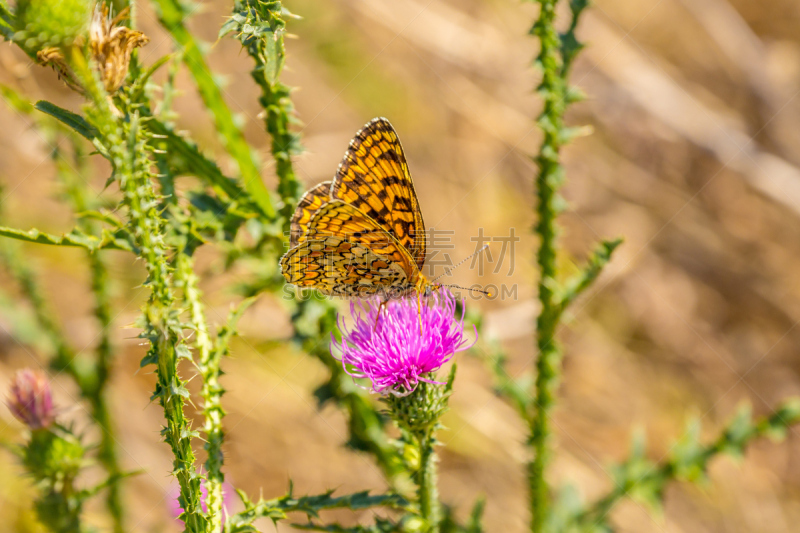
(306, 207)
(347, 253)
(374, 178)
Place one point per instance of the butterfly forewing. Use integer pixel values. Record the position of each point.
(374, 178)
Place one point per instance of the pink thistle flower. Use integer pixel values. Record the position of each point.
(31, 400)
(392, 351)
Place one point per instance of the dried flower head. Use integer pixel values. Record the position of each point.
(30, 399)
(396, 344)
(110, 44)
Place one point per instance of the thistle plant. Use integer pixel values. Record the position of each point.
(398, 344)
(44, 24)
(31, 400)
(52, 454)
(398, 347)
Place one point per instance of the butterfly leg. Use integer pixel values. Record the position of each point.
(419, 313)
(382, 307)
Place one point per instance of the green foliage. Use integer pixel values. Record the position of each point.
(366, 426)
(53, 457)
(108, 240)
(8, 21)
(73, 121)
(260, 27)
(164, 233)
(645, 481)
(172, 13)
(278, 508)
(58, 23)
(637, 477)
(380, 526)
(91, 377)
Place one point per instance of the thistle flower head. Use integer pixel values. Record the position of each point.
(398, 343)
(30, 399)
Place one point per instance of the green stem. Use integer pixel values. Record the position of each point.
(277, 509)
(269, 54)
(365, 425)
(211, 391)
(734, 439)
(107, 451)
(550, 174)
(427, 482)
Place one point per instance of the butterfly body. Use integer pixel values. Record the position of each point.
(362, 233)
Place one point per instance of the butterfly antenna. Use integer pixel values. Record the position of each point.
(470, 256)
(471, 289)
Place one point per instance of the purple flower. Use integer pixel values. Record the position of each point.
(31, 400)
(396, 350)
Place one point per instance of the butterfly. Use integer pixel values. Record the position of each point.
(361, 234)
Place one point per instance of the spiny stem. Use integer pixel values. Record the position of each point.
(733, 439)
(268, 52)
(211, 391)
(427, 482)
(550, 174)
(126, 145)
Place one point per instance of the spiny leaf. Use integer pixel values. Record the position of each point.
(75, 122)
(73, 238)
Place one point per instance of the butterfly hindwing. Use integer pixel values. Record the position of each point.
(374, 178)
(346, 221)
(347, 254)
(336, 266)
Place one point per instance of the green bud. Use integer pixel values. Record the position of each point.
(49, 456)
(51, 23)
(419, 411)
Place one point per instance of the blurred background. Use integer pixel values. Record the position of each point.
(694, 159)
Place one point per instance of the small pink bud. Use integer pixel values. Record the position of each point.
(31, 400)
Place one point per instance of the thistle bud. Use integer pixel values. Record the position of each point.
(30, 399)
(51, 23)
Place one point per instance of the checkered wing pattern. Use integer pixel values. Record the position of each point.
(374, 178)
(306, 207)
(363, 232)
(347, 254)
